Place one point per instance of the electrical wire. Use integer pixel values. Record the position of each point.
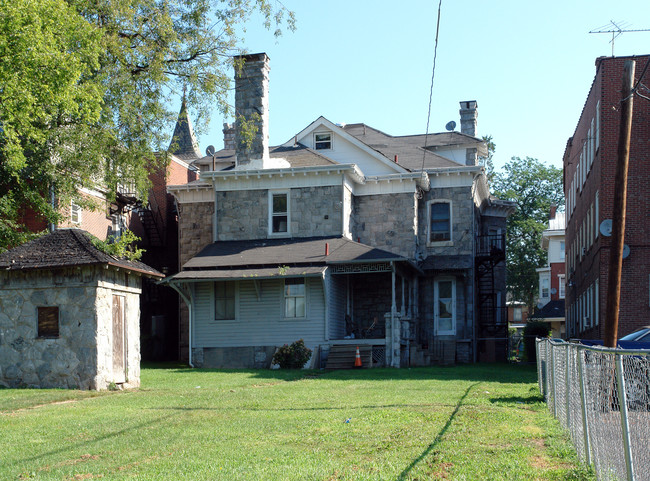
(433, 74)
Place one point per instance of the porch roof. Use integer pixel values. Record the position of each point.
(271, 253)
(247, 274)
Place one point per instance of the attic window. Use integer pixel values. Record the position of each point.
(48, 321)
(323, 141)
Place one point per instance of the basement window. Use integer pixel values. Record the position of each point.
(48, 321)
(323, 141)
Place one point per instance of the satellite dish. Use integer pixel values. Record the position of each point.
(451, 125)
(606, 227)
(626, 251)
(553, 290)
(210, 150)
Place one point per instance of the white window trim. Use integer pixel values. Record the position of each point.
(270, 213)
(214, 302)
(284, 297)
(452, 331)
(543, 278)
(324, 133)
(75, 210)
(561, 292)
(445, 243)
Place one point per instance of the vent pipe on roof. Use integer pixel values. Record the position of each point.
(396, 159)
(327, 248)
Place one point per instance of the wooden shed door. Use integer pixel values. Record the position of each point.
(119, 344)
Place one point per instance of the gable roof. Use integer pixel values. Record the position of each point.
(66, 248)
(281, 252)
(377, 155)
(410, 148)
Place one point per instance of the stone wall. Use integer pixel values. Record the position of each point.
(194, 228)
(462, 213)
(314, 211)
(387, 222)
(71, 360)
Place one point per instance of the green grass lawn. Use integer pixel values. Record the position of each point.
(478, 422)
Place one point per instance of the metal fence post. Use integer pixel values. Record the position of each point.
(567, 384)
(553, 388)
(583, 405)
(627, 446)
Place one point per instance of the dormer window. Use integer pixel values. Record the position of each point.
(323, 141)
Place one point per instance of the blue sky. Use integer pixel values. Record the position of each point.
(529, 65)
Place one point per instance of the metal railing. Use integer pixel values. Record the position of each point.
(602, 397)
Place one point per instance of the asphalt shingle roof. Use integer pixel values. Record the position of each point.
(297, 156)
(280, 252)
(65, 248)
(552, 309)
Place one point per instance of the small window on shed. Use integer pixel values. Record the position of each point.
(48, 321)
(323, 141)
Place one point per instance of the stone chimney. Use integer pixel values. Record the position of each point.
(252, 103)
(229, 136)
(468, 115)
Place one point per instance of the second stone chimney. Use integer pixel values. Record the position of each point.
(229, 137)
(252, 103)
(468, 116)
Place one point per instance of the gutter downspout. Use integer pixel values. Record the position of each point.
(474, 286)
(188, 303)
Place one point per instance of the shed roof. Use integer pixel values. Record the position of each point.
(66, 248)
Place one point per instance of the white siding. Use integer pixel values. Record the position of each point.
(337, 305)
(260, 321)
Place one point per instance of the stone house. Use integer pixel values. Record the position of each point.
(344, 236)
(69, 314)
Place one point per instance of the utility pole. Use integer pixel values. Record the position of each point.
(620, 196)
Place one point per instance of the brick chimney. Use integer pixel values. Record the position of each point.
(252, 97)
(553, 212)
(468, 115)
(229, 136)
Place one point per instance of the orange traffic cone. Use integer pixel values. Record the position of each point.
(357, 359)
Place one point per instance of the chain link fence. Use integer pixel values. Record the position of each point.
(602, 397)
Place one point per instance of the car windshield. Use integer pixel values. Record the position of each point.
(640, 335)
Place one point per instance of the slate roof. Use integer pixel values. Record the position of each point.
(290, 252)
(552, 309)
(66, 248)
(187, 147)
(298, 156)
(410, 148)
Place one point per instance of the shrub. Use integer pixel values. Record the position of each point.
(532, 330)
(292, 356)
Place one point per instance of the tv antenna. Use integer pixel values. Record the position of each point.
(617, 29)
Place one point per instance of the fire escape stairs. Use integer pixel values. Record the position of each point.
(150, 224)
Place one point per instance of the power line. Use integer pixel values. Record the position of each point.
(433, 74)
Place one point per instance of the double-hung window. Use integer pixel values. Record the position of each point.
(224, 301)
(439, 221)
(294, 298)
(75, 213)
(279, 214)
(323, 141)
(445, 306)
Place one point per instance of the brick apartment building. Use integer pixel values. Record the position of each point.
(589, 171)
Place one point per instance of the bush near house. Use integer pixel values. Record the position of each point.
(292, 356)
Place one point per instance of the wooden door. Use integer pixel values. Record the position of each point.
(119, 338)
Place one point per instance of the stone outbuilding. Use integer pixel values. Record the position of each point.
(69, 314)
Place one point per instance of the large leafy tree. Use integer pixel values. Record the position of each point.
(87, 90)
(534, 187)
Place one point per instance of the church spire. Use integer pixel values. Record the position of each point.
(184, 141)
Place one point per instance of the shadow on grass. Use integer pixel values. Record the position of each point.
(503, 373)
(534, 398)
(436, 441)
(93, 441)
